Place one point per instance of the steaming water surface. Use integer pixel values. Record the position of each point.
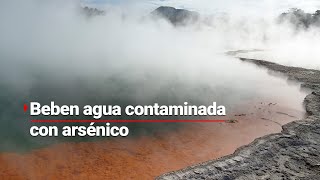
(258, 102)
(52, 52)
(200, 81)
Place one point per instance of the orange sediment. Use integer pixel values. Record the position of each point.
(145, 157)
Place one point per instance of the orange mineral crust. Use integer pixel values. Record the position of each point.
(146, 157)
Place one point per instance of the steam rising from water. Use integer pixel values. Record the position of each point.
(50, 50)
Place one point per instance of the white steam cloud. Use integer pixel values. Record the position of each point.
(50, 50)
(56, 43)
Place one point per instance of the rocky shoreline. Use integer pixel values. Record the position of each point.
(292, 154)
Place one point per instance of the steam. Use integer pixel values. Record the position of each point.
(50, 50)
(252, 25)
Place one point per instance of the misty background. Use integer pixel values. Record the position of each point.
(53, 51)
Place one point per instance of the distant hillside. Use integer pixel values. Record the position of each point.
(301, 19)
(92, 11)
(176, 16)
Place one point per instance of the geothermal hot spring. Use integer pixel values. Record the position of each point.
(53, 53)
(258, 103)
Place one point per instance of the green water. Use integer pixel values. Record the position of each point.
(15, 123)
